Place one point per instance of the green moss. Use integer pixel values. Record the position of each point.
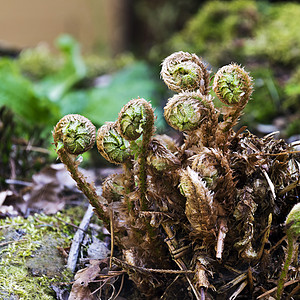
(278, 36)
(216, 28)
(15, 281)
(292, 91)
(29, 258)
(293, 128)
(265, 102)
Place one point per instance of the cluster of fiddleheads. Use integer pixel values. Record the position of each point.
(207, 204)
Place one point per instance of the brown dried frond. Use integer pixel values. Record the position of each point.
(161, 158)
(214, 169)
(157, 217)
(146, 282)
(163, 192)
(244, 212)
(205, 164)
(199, 207)
(225, 191)
(167, 141)
(113, 188)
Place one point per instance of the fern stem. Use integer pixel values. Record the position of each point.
(148, 131)
(87, 188)
(285, 269)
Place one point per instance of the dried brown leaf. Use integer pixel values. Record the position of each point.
(47, 185)
(80, 289)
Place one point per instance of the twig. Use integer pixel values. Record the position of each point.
(250, 280)
(35, 149)
(18, 182)
(221, 237)
(202, 293)
(11, 242)
(69, 224)
(277, 244)
(168, 287)
(275, 288)
(233, 270)
(101, 286)
(265, 238)
(150, 270)
(11, 225)
(233, 282)
(293, 292)
(78, 237)
(290, 187)
(172, 244)
(121, 287)
(239, 290)
(279, 153)
(111, 237)
(270, 183)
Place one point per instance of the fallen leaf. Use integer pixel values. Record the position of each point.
(7, 203)
(80, 289)
(46, 188)
(3, 196)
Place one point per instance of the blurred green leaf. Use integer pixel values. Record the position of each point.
(17, 93)
(54, 87)
(103, 104)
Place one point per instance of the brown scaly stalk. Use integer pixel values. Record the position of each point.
(135, 119)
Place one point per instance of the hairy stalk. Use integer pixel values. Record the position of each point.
(136, 119)
(142, 167)
(74, 135)
(232, 119)
(233, 86)
(292, 232)
(283, 275)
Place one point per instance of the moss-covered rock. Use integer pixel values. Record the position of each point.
(29, 257)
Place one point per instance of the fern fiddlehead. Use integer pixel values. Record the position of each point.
(184, 71)
(74, 135)
(111, 145)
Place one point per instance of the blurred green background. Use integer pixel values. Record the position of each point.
(93, 57)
